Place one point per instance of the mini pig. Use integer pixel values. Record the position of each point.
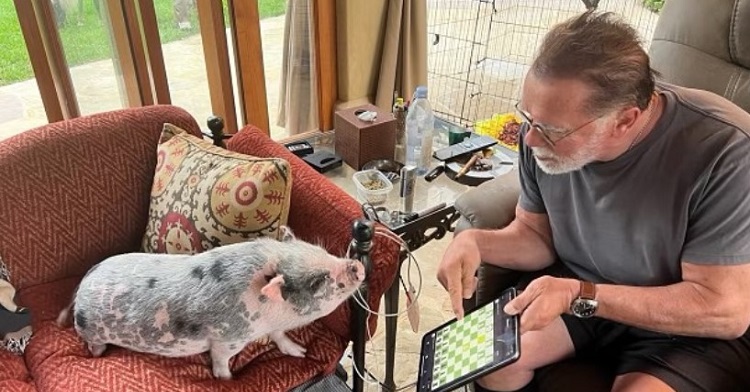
(216, 301)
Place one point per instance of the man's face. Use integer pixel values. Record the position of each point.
(564, 137)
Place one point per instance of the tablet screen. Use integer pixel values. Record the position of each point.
(462, 350)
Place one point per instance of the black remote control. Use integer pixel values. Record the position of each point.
(468, 146)
(300, 149)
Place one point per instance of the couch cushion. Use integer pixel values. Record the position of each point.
(703, 44)
(58, 360)
(13, 373)
(204, 196)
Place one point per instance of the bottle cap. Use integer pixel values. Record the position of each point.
(420, 92)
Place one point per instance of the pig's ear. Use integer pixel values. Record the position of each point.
(285, 234)
(272, 290)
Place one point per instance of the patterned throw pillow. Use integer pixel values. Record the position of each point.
(204, 196)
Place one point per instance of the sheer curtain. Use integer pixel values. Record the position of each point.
(298, 98)
(403, 64)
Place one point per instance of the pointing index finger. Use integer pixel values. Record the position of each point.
(455, 291)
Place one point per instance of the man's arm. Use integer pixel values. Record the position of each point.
(711, 301)
(524, 245)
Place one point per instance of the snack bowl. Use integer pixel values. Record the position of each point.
(373, 186)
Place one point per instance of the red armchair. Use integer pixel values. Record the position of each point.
(77, 191)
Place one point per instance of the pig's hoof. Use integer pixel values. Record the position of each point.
(288, 347)
(97, 349)
(222, 373)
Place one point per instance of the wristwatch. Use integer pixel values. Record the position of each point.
(586, 304)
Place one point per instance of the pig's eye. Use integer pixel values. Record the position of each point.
(317, 282)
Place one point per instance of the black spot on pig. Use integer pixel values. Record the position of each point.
(301, 292)
(81, 320)
(152, 283)
(198, 273)
(194, 329)
(262, 298)
(255, 316)
(178, 324)
(182, 327)
(217, 270)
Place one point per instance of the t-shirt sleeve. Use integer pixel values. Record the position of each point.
(531, 197)
(718, 229)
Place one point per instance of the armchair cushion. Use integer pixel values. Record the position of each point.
(204, 196)
(490, 205)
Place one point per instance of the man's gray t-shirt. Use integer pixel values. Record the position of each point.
(681, 194)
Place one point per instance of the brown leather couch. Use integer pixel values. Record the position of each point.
(697, 43)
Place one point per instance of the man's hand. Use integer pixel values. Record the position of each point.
(543, 300)
(457, 270)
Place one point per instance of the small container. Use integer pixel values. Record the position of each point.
(372, 186)
(408, 177)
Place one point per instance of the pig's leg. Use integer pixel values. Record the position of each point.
(221, 352)
(96, 349)
(286, 345)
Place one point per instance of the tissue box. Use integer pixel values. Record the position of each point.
(358, 142)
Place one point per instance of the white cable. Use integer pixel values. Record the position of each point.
(370, 379)
(359, 298)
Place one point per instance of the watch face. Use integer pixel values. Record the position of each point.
(583, 308)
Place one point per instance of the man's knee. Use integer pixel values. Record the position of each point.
(635, 382)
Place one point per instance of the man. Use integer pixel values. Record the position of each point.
(640, 190)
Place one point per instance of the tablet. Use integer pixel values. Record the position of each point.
(460, 351)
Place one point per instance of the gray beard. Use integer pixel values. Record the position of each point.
(560, 166)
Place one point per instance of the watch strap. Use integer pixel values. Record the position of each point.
(588, 290)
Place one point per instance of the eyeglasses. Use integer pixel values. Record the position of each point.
(550, 136)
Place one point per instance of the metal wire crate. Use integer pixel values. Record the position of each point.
(479, 50)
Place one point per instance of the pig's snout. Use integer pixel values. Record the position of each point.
(356, 271)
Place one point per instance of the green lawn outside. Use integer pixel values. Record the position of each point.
(88, 40)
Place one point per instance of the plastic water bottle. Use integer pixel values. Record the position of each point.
(420, 122)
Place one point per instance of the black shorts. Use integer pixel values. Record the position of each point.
(685, 363)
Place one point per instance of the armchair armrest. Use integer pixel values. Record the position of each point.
(320, 212)
(490, 205)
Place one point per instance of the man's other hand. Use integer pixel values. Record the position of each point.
(544, 299)
(457, 270)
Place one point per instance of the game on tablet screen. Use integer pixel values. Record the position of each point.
(460, 351)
